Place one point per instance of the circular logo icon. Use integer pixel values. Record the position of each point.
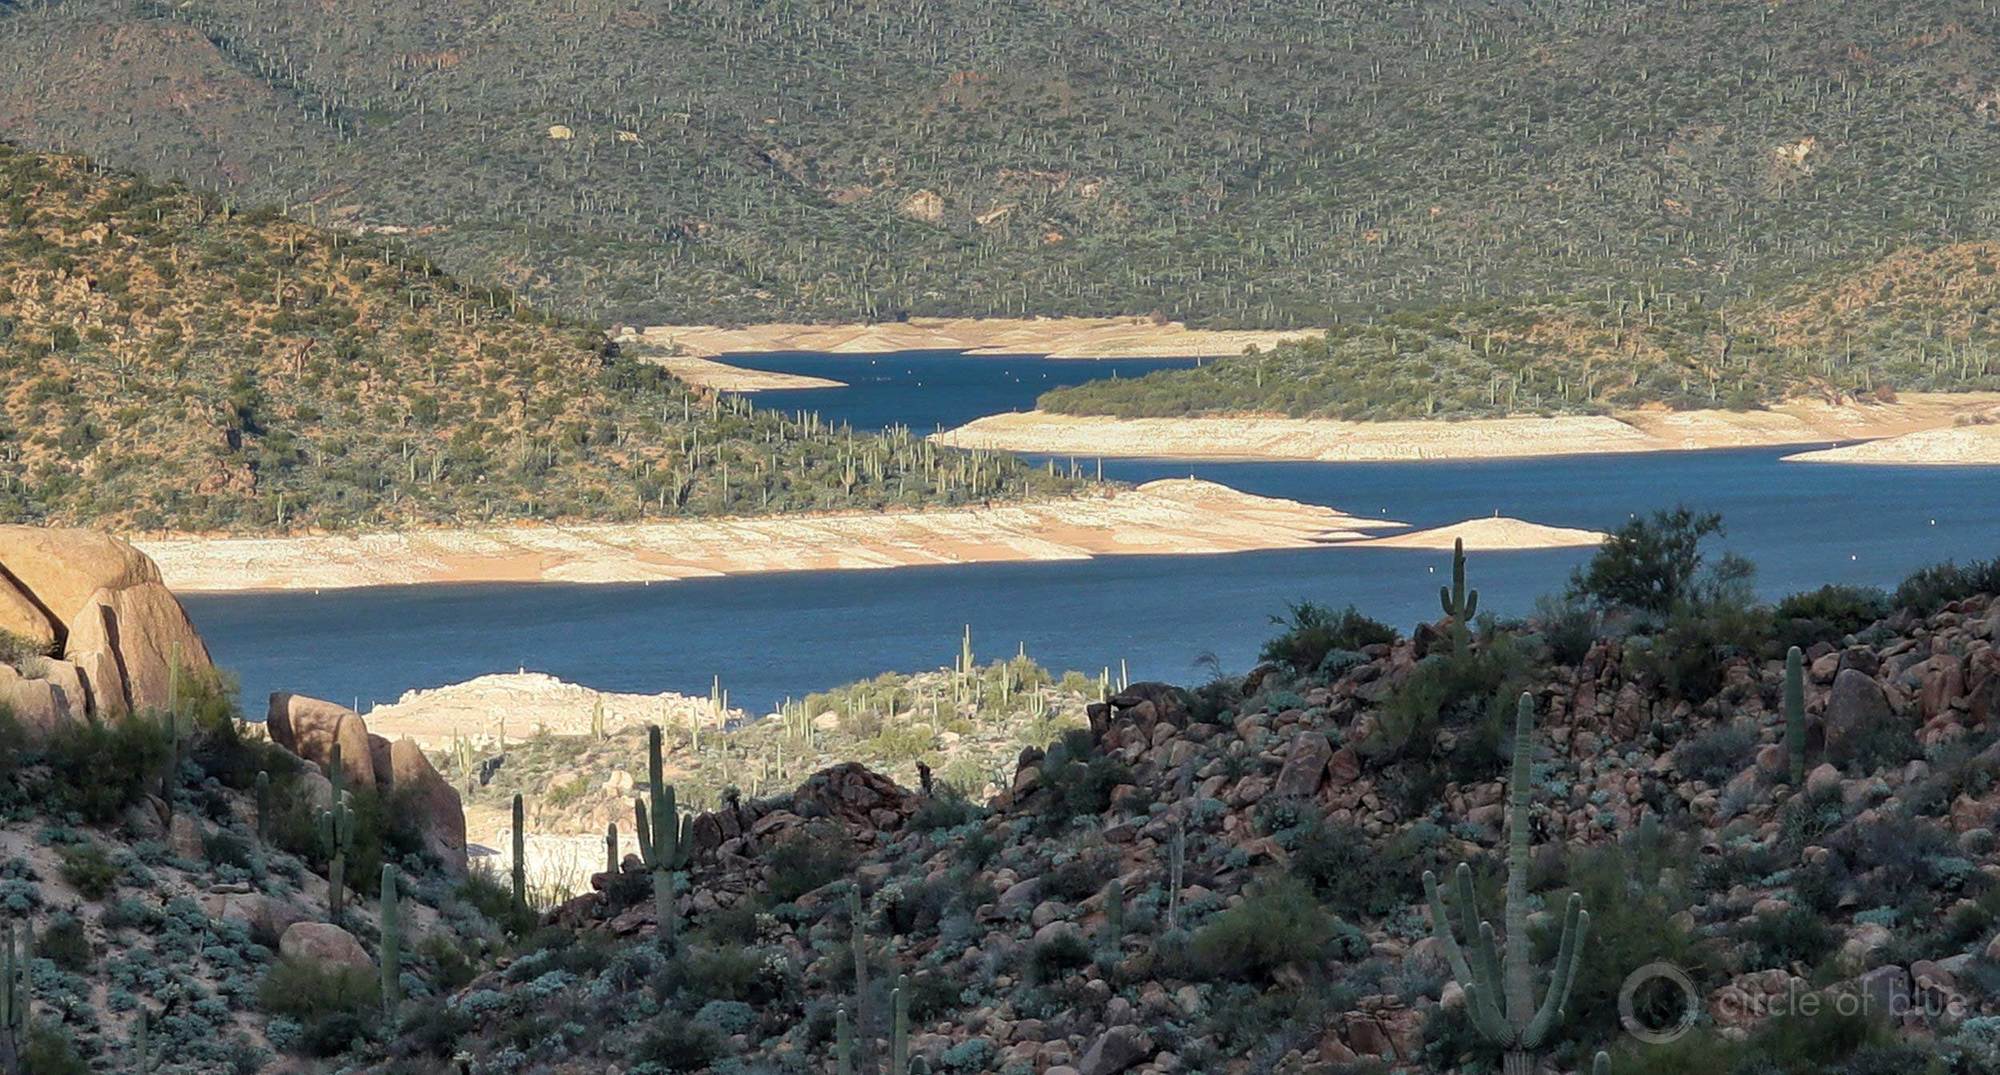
(1653, 980)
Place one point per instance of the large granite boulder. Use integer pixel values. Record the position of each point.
(147, 634)
(1856, 709)
(310, 727)
(59, 569)
(20, 616)
(101, 603)
(432, 801)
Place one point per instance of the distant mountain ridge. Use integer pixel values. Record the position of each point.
(1284, 165)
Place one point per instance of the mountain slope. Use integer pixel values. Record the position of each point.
(1280, 164)
(171, 363)
(1916, 319)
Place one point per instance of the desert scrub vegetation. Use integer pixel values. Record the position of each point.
(1127, 158)
(251, 373)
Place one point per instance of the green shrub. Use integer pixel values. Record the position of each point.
(1827, 614)
(1052, 960)
(1077, 781)
(334, 1005)
(49, 1052)
(1718, 754)
(675, 1043)
(1280, 922)
(1926, 589)
(1312, 631)
(64, 943)
(811, 858)
(945, 808)
(86, 868)
(1649, 564)
(1794, 935)
(100, 768)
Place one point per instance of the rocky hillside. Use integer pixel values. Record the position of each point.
(718, 160)
(169, 361)
(578, 756)
(1229, 878)
(178, 892)
(1913, 320)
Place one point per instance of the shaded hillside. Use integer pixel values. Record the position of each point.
(1916, 319)
(1280, 164)
(1230, 877)
(171, 362)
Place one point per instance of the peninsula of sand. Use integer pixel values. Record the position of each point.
(689, 351)
(1171, 517)
(1802, 422)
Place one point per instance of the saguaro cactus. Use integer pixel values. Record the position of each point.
(144, 1061)
(666, 841)
(1176, 865)
(611, 848)
(859, 923)
(336, 829)
(392, 940)
(263, 804)
(1459, 603)
(843, 1042)
(1499, 993)
(1795, 715)
(520, 853)
(13, 996)
(899, 1031)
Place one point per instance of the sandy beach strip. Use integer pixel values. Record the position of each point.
(1331, 440)
(1958, 446)
(1180, 516)
(722, 377)
(1052, 337)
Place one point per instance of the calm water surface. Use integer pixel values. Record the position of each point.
(777, 635)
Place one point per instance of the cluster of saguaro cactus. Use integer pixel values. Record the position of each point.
(1499, 990)
(1795, 715)
(520, 853)
(666, 841)
(1459, 603)
(847, 1052)
(392, 940)
(336, 831)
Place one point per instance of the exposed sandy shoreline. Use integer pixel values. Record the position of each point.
(1330, 440)
(1054, 337)
(521, 704)
(1970, 445)
(1178, 516)
(1173, 517)
(708, 373)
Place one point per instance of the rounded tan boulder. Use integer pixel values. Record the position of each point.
(145, 632)
(19, 615)
(322, 944)
(61, 568)
(309, 727)
(40, 706)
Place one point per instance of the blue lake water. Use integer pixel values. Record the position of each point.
(772, 636)
(931, 390)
